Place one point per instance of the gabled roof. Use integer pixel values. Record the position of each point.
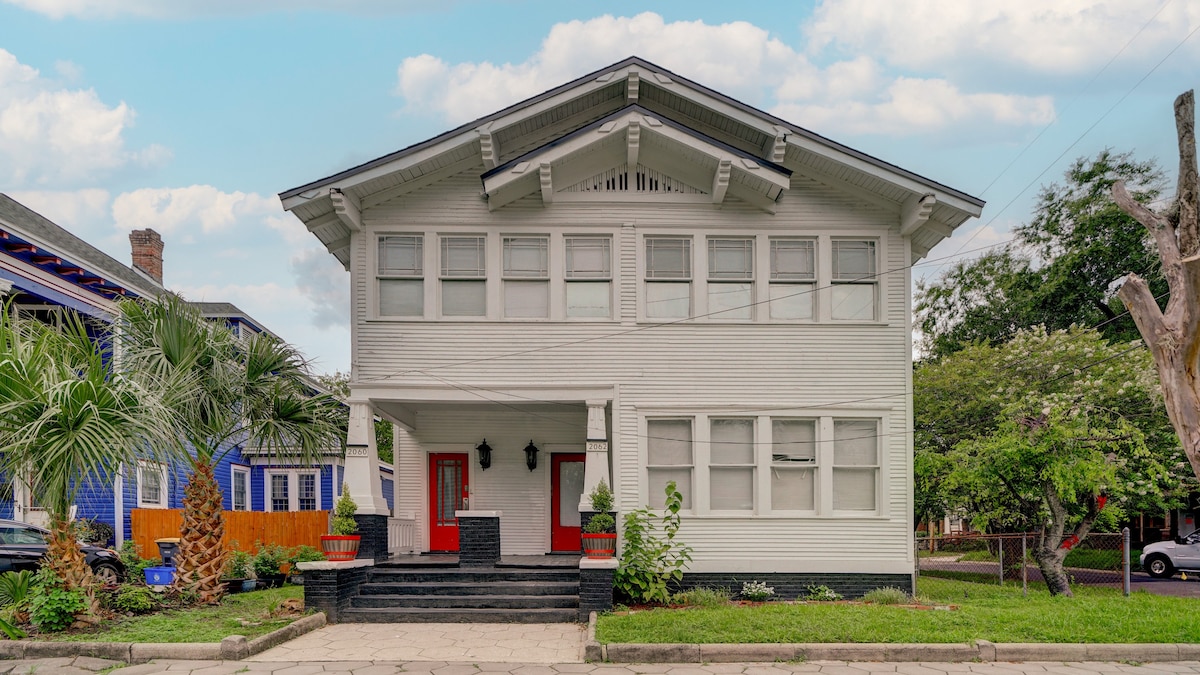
(331, 207)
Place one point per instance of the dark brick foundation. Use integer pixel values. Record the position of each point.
(478, 541)
(374, 542)
(330, 591)
(595, 591)
(790, 586)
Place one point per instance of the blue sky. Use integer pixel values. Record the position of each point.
(189, 116)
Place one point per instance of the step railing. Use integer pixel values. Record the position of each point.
(402, 534)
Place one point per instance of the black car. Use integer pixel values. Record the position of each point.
(22, 547)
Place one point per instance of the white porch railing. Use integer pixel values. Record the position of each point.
(402, 534)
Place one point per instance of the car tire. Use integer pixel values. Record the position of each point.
(107, 573)
(1159, 566)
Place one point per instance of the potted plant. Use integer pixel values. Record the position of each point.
(342, 541)
(599, 534)
(267, 564)
(237, 572)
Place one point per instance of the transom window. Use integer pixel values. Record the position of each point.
(401, 275)
(730, 278)
(668, 277)
(854, 280)
(793, 278)
(464, 276)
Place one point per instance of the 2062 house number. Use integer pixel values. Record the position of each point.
(597, 446)
(356, 452)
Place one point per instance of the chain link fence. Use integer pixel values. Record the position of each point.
(1101, 559)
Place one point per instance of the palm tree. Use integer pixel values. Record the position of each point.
(244, 391)
(68, 420)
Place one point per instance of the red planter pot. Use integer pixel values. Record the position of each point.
(340, 546)
(601, 545)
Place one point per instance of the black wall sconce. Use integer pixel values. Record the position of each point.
(485, 455)
(531, 455)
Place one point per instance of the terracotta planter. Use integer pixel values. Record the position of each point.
(599, 545)
(340, 546)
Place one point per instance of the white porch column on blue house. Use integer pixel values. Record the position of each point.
(362, 462)
(595, 468)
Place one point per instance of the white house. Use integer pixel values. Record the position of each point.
(646, 281)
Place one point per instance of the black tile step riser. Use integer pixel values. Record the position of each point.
(353, 615)
(465, 603)
(518, 588)
(383, 576)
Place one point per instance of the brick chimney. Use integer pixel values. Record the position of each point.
(147, 249)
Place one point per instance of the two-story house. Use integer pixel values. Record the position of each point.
(634, 278)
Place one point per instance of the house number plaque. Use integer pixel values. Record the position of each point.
(356, 452)
(597, 446)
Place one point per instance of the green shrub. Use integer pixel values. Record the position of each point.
(14, 587)
(821, 594)
(268, 560)
(601, 497)
(134, 599)
(94, 531)
(702, 597)
(51, 606)
(237, 565)
(305, 553)
(343, 514)
(133, 561)
(651, 556)
(889, 595)
(599, 523)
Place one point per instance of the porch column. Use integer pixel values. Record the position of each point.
(595, 468)
(362, 462)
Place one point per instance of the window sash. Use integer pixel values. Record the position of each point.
(588, 257)
(527, 299)
(853, 260)
(240, 490)
(464, 257)
(668, 258)
(306, 492)
(526, 257)
(669, 442)
(793, 260)
(853, 301)
(464, 298)
(401, 297)
(793, 488)
(731, 441)
(793, 441)
(791, 300)
(280, 492)
(730, 300)
(589, 299)
(151, 484)
(730, 259)
(402, 256)
(668, 300)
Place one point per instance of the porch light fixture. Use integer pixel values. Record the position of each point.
(485, 455)
(531, 455)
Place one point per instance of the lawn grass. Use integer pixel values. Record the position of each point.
(989, 612)
(199, 624)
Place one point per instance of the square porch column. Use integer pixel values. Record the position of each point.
(362, 477)
(595, 468)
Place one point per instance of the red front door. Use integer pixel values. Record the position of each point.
(566, 486)
(447, 494)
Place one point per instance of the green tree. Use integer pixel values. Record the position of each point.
(68, 421)
(240, 391)
(338, 384)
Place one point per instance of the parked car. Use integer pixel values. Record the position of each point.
(22, 547)
(1164, 558)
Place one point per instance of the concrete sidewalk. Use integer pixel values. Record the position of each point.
(89, 666)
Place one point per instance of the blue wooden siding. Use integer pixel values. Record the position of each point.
(389, 493)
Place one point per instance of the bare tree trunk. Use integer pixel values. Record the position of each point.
(1173, 336)
(1050, 562)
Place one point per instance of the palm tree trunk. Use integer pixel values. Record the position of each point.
(201, 551)
(64, 558)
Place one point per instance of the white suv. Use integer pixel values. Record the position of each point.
(1162, 559)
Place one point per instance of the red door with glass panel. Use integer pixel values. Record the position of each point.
(566, 487)
(447, 494)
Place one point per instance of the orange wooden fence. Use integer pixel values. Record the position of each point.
(243, 529)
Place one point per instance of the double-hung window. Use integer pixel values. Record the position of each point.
(401, 275)
(464, 276)
(793, 464)
(152, 485)
(668, 277)
(669, 457)
(793, 275)
(731, 463)
(588, 273)
(855, 279)
(291, 490)
(855, 464)
(730, 278)
(240, 488)
(526, 277)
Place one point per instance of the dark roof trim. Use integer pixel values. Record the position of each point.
(631, 61)
(633, 107)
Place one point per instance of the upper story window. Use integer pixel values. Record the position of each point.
(527, 277)
(855, 280)
(668, 277)
(793, 278)
(730, 278)
(401, 275)
(152, 485)
(464, 276)
(588, 274)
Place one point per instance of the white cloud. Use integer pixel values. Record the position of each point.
(201, 208)
(326, 284)
(53, 135)
(738, 58)
(160, 9)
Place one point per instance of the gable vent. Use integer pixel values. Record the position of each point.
(641, 180)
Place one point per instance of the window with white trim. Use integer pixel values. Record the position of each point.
(731, 464)
(669, 457)
(588, 274)
(293, 489)
(526, 277)
(239, 488)
(152, 485)
(401, 278)
(855, 280)
(855, 464)
(793, 464)
(793, 278)
(730, 278)
(464, 276)
(668, 277)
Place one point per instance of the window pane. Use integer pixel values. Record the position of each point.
(668, 258)
(731, 489)
(464, 257)
(589, 299)
(668, 300)
(730, 301)
(307, 492)
(589, 258)
(732, 441)
(151, 484)
(527, 299)
(793, 440)
(668, 442)
(464, 298)
(792, 259)
(401, 297)
(239, 491)
(658, 479)
(401, 256)
(855, 443)
(791, 301)
(855, 302)
(854, 489)
(792, 489)
(853, 259)
(730, 258)
(526, 257)
(279, 493)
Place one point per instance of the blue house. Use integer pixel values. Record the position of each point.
(45, 270)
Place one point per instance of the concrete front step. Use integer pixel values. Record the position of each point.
(533, 588)
(521, 602)
(453, 615)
